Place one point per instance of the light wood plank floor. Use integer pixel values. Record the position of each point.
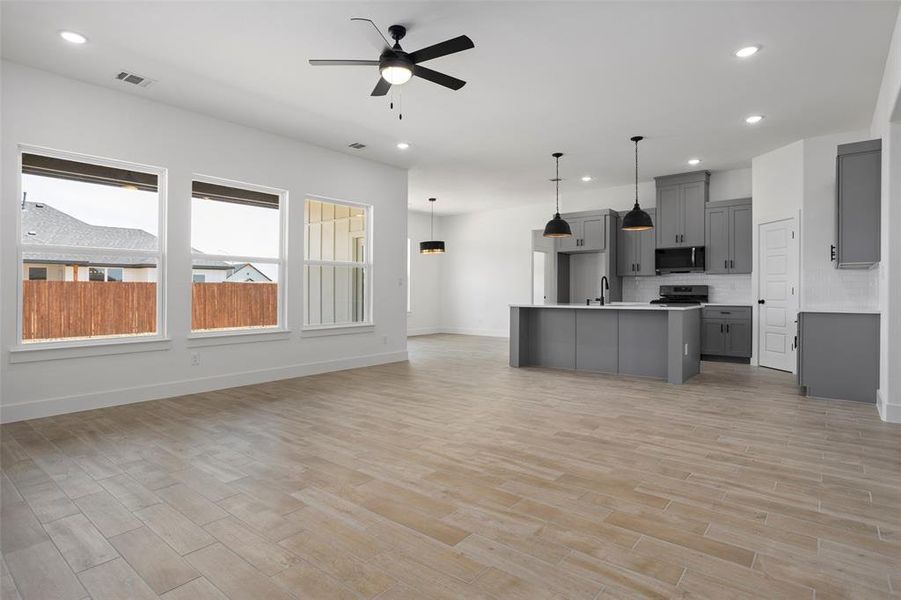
(455, 476)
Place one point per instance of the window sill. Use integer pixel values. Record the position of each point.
(236, 336)
(39, 352)
(343, 329)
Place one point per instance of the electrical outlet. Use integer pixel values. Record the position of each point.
(195, 359)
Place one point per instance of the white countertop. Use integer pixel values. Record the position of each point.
(849, 311)
(743, 304)
(612, 306)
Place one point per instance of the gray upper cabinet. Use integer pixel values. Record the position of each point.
(680, 209)
(635, 250)
(858, 190)
(728, 233)
(589, 232)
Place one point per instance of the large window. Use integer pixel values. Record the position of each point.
(337, 265)
(236, 241)
(89, 248)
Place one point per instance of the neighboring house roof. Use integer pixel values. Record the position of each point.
(248, 271)
(43, 224)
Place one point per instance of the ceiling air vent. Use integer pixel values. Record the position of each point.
(133, 79)
(356, 146)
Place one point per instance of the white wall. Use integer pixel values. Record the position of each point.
(47, 110)
(822, 285)
(777, 183)
(887, 125)
(488, 262)
(425, 277)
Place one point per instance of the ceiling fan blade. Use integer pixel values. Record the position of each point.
(381, 88)
(457, 44)
(439, 78)
(344, 63)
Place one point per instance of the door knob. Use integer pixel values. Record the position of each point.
(761, 302)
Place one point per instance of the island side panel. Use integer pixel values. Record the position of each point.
(552, 338)
(683, 345)
(519, 336)
(597, 340)
(642, 343)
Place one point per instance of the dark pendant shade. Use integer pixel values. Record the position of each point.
(431, 247)
(557, 228)
(637, 220)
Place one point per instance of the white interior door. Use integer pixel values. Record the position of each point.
(544, 269)
(777, 297)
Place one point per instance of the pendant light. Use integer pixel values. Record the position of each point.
(637, 219)
(432, 246)
(557, 227)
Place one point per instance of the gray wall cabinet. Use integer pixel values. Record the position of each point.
(635, 249)
(589, 232)
(680, 209)
(838, 355)
(726, 331)
(728, 232)
(858, 190)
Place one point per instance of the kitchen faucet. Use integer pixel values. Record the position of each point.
(604, 284)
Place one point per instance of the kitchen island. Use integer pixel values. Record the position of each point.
(646, 340)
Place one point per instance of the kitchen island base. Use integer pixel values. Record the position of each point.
(659, 342)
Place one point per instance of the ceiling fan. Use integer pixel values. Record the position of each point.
(397, 67)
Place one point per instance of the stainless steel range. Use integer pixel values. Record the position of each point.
(681, 294)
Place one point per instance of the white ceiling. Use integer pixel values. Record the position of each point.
(578, 77)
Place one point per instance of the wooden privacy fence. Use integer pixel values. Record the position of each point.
(221, 305)
(66, 309)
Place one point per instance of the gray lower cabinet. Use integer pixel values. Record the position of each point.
(728, 231)
(726, 331)
(838, 355)
(589, 233)
(858, 191)
(635, 250)
(680, 209)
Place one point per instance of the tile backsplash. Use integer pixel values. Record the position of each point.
(826, 287)
(723, 289)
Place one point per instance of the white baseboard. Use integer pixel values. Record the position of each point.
(424, 331)
(888, 412)
(502, 333)
(75, 403)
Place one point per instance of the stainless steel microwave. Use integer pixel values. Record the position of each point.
(679, 260)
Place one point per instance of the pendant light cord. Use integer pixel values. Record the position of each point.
(432, 219)
(636, 173)
(557, 181)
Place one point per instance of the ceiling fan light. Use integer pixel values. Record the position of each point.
(396, 74)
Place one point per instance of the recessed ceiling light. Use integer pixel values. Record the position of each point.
(402, 145)
(72, 37)
(694, 161)
(754, 119)
(747, 51)
(586, 178)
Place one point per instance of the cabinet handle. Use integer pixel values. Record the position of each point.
(731, 264)
(638, 267)
(721, 328)
(727, 328)
(677, 238)
(726, 264)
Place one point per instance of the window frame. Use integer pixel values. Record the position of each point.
(159, 254)
(368, 266)
(281, 292)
